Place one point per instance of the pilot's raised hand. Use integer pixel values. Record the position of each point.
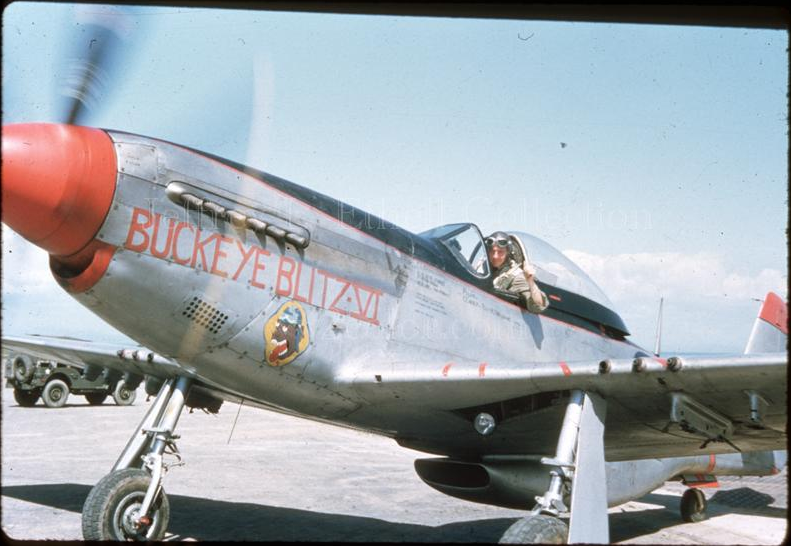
(529, 270)
(536, 300)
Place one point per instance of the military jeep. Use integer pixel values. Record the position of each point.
(51, 381)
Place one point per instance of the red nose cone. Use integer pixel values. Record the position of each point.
(58, 183)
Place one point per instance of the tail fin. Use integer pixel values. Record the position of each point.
(770, 330)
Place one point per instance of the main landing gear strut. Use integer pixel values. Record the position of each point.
(579, 460)
(129, 503)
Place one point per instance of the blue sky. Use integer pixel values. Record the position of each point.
(654, 156)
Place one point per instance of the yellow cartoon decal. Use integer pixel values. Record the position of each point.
(286, 334)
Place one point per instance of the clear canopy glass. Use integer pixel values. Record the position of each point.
(552, 267)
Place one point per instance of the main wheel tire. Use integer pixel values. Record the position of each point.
(538, 529)
(123, 395)
(693, 505)
(55, 394)
(96, 398)
(26, 399)
(23, 368)
(109, 509)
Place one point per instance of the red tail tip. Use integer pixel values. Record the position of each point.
(775, 312)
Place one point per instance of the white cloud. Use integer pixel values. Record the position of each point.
(708, 305)
(675, 275)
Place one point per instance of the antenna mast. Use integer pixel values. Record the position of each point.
(659, 328)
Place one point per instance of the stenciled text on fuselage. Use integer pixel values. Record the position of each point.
(185, 244)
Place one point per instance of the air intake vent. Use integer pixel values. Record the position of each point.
(205, 315)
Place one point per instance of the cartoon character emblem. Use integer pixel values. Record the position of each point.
(286, 334)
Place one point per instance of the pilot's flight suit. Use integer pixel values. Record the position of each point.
(511, 278)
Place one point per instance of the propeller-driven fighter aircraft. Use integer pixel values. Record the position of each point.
(241, 285)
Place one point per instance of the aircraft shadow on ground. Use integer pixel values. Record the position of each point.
(628, 525)
(214, 520)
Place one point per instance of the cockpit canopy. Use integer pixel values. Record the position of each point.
(465, 242)
(553, 268)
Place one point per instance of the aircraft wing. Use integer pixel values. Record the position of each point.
(655, 407)
(82, 353)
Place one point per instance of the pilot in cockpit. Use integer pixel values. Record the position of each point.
(511, 276)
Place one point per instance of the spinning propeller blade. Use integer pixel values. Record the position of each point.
(104, 29)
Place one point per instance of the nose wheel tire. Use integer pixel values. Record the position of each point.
(55, 393)
(112, 508)
(693, 505)
(538, 529)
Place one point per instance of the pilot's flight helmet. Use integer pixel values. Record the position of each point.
(499, 238)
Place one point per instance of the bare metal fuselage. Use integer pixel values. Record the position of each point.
(367, 303)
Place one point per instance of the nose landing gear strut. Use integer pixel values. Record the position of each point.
(129, 503)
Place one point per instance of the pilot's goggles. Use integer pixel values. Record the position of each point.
(502, 242)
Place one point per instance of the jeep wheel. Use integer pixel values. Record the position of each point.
(153, 384)
(26, 399)
(96, 398)
(123, 395)
(23, 368)
(55, 393)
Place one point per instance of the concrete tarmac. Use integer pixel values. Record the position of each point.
(281, 478)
